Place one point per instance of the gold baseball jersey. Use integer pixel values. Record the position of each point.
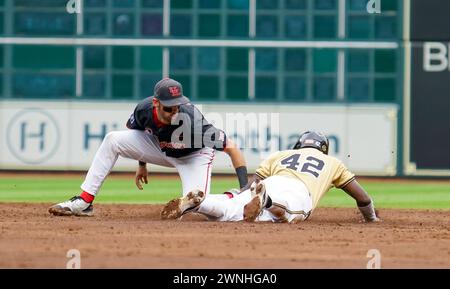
(318, 171)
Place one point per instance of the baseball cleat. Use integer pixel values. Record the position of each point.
(180, 206)
(259, 200)
(76, 206)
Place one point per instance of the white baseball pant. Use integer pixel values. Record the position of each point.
(287, 193)
(194, 169)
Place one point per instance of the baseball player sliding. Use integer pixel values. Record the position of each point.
(167, 130)
(288, 186)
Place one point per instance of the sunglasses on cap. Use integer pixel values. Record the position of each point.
(170, 109)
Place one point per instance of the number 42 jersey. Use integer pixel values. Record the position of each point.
(318, 171)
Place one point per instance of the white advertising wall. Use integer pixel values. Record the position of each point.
(65, 135)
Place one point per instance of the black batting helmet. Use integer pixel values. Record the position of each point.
(312, 139)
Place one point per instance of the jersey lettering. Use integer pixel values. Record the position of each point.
(291, 162)
(313, 166)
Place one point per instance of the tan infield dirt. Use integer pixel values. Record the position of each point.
(133, 236)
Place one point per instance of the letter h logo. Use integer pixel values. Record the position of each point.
(24, 135)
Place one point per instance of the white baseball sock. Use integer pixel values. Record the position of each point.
(222, 208)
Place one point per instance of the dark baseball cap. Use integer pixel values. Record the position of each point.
(170, 92)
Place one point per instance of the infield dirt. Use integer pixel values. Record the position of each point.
(133, 236)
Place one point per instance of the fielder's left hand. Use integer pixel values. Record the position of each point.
(141, 177)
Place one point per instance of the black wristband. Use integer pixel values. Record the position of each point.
(142, 164)
(241, 173)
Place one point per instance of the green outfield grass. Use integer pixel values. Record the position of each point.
(28, 188)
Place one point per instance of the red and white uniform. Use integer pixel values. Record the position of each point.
(188, 145)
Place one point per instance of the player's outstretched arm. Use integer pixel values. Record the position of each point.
(363, 201)
(238, 160)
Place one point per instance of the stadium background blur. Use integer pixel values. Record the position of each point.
(377, 83)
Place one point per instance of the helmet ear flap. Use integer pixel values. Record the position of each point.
(327, 145)
(324, 148)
